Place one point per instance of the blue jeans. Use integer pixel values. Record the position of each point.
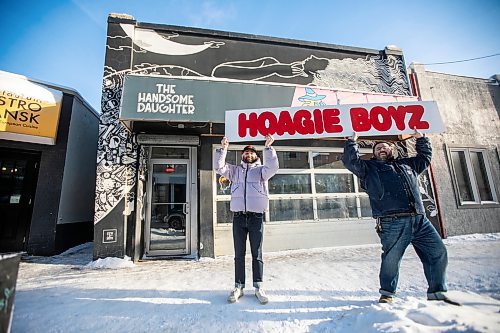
(251, 225)
(395, 235)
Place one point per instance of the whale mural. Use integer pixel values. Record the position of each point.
(152, 41)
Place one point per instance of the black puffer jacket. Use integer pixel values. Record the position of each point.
(392, 185)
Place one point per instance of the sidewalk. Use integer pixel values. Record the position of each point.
(320, 290)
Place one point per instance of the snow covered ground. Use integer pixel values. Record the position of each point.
(320, 290)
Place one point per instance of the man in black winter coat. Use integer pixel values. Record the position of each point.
(392, 186)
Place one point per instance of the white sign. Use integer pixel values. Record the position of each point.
(333, 121)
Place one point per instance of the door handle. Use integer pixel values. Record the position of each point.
(185, 207)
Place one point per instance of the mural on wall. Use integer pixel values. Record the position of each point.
(311, 98)
(115, 151)
(150, 40)
(170, 54)
(373, 74)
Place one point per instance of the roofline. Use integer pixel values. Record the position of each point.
(487, 80)
(124, 18)
(415, 66)
(63, 89)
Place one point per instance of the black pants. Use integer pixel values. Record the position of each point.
(251, 225)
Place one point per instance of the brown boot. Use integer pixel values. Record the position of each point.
(385, 299)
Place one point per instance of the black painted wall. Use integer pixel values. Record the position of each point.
(114, 147)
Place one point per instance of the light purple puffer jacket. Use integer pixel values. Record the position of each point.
(248, 180)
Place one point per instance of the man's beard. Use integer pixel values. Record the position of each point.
(384, 157)
(249, 159)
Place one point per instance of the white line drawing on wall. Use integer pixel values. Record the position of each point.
(152, 41)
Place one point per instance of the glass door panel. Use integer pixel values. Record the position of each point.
(169, 207)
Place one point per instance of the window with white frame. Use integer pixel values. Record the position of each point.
(472, 176)
(311, 185)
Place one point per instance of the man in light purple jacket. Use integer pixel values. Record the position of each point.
(249, 200)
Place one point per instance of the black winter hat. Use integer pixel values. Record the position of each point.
(249, 147)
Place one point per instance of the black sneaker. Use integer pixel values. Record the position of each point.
(385, 299)
(441, 297)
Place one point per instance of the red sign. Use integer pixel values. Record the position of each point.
(333, 121)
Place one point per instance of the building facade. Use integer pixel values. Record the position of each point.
(165, 92)
(465, 165)
(48, 144)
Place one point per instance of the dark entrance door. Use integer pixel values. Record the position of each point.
(18, 178)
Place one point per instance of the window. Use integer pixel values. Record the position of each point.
(472, 176)
(311, 185)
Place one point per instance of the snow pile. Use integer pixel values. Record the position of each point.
(111, 263)
(82, 248)
(473, 237)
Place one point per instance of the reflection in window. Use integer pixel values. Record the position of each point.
(480, 173)
(233, 157)
(291, 210)
(169, 183)
(366, 209)
(224, 215)
(462, 175)
(337, 208)
(292, 194)
(167, 216)
(11, 180)
(223, 185)
(290, 184)
(334, 183)
(360, 189)
(169, 152)
(293, 160)
(472, 176)
(328, 161)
